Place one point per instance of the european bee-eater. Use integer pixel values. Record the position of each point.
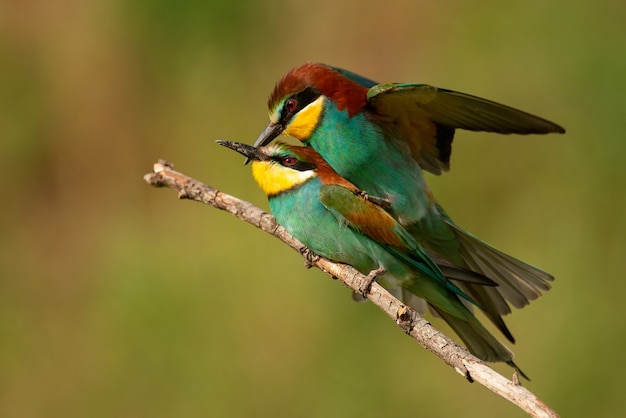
(380, 137)
(327, 214)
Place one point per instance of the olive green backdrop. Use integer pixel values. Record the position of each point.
(118, 300)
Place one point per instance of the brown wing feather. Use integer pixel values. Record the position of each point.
(425, 118)
(365, 216)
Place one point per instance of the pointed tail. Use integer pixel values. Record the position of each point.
(519, 283)
(479, 341)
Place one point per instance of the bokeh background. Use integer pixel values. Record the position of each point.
(118, 300)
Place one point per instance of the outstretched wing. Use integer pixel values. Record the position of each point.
(426, 117)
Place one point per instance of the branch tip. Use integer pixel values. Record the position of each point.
(148, 178)
(166, 164)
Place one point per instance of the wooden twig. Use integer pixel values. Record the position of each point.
(470, 367)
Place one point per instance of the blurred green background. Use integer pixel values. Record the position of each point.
(118, 300)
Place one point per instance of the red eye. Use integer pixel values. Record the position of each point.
(291, 105)
(288, 161)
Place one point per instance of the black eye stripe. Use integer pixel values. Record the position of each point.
(302, 99)
(307, 96)
(297, 165)
(303, 166)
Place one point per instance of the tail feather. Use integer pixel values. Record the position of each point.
(458, 273)
(477, 338)
(490, 302)
(518, 282)
(479, 288)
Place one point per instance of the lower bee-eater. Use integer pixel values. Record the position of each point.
(327, 214)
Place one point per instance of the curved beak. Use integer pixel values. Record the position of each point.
(251, 153)
(270, 132)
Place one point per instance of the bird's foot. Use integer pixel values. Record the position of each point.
(366, 287)
(309, 257)
(380, 201)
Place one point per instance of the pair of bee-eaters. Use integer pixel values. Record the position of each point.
(355, 193)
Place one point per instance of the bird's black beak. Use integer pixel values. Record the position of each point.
(270, 132)
(251, 153)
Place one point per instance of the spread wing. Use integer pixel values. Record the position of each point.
(426, 117)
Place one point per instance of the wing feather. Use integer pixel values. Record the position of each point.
(425, 117)
(373, 221)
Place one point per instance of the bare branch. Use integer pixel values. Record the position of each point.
(467, 365)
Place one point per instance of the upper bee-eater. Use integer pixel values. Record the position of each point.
(327, 214)
(381, 136)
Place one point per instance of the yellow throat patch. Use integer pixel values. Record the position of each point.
(273, 178)
(304, 122)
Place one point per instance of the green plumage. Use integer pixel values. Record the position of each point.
(381, 136)
(336, 223)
